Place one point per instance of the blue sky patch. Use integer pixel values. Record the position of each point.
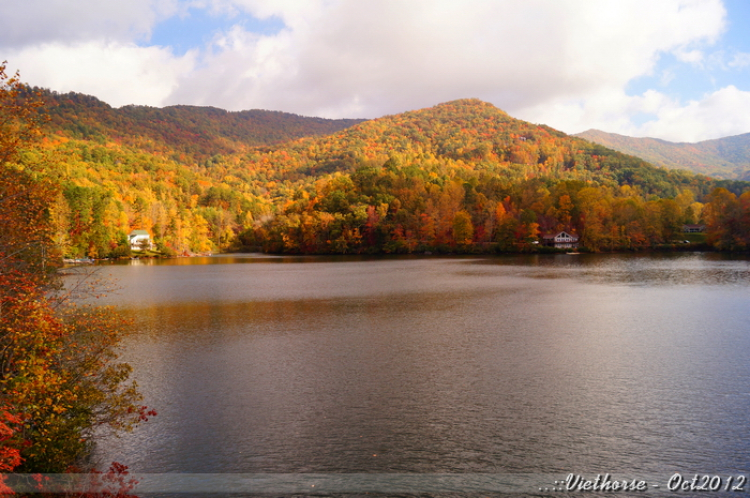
(198, 28)
(687, 81)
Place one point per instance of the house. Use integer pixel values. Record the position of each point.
(561, 240)
(693, 228)
(139, 240)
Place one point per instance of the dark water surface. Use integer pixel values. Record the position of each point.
(545, 365)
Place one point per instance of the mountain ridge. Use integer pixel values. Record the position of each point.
(199, 131)
(727, 157)
(474, 131)
(459, 176)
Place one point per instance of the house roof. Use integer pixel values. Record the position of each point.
(135, 233)
(551, 236)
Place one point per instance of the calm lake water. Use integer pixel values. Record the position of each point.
(417, 368)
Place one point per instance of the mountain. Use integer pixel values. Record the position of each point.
(721, 158)
(478, 137)
(466, 176)
(460, 176)
(199, 132)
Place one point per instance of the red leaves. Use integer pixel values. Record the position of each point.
(143, 413)
(59, 377)
(10, 457)
(114, 483)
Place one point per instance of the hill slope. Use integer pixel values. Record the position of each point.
(477, 136)
(199, 132)
(466, 176)
(722, 158)
(460, 176)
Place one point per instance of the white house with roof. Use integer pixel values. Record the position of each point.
(139, 240)
(561, 240)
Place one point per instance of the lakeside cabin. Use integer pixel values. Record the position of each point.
(139, 240)
(693, 228)
(561, 240)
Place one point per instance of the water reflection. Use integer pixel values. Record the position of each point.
(537, 364)
(698, 269)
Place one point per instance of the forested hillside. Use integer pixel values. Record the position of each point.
(466, 176)
(144, 167)
(192, 132)
(462, 176)
(727, 157)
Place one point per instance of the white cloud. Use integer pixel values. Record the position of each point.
(740, 60)
(607, 109)
(377, 57)
(714, 116)
(561, 62)
(34, 22)
(667, 76)
(690, 56)
(124, 73)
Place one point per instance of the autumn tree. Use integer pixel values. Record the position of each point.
(727, 220)
(59, 378)
(394, 184)
(463, 229)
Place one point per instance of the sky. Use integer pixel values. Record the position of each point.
(678, 70)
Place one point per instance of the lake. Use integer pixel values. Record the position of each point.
(439, 376)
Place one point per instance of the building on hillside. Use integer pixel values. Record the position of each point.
(139, 240)
(561, 240)
(693, 228)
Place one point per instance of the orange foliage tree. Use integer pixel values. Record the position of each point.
(59, 377)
